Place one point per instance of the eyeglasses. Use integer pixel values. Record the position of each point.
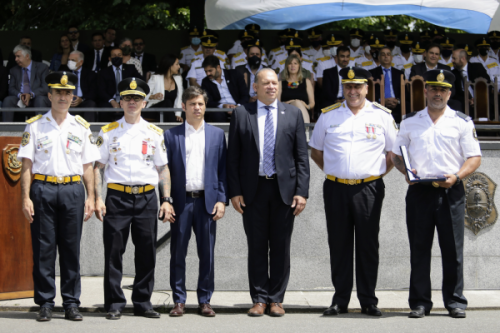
(136, 98)
(138, 44)
(73, 32)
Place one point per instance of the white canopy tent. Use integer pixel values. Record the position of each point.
(471, 16)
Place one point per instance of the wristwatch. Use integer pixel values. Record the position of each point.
(458, 179)
(167, 199)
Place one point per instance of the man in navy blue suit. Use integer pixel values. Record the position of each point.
(197, 161)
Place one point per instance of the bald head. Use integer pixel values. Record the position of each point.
(459, 58)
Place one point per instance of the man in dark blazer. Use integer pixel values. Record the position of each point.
(148, 60)
(196, 154)
(30, 94)
(86, 86)
(226, 88)
(332, 84)
(35, 54)
(431, 55)
(464, 70)
(95, 59)
(108, 96)
(393, 98)
(268, 183)
(253, 65)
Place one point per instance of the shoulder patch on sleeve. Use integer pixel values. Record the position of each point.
(323, 59)
(282, 62)
(331, 107)
(238, 61)
(156, 129)
(220, 52)
(493, 64)
(109, 127)
(276, 49)
(198, 53)
(33, 119)
(389, 111)
(409, 115)
(237, 54)
(307, 60)
(26, 139)
(407, 66)
(82, 122)
(463, 116)
(184, 48)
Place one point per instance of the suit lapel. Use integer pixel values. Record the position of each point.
(281, 122)
(208, 136)
(182, 142)
(32, 76)
(252, 115)
(230, 86)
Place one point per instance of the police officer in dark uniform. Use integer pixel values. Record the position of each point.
(135, 153)
(58, 149)
(442, 143)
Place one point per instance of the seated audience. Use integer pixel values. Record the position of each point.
(147, 60)
(126, 47)
(306, 65)
(253, 65)
(27, 87)
(226, 88)
(96, 58)
(74, 37)
(109, 37)
(35, 55)
(392, 82)
(332, 81)
(108, 95)
(61, 56)
(84, 95)
(295, 89)
(166, 88)
(196, 72)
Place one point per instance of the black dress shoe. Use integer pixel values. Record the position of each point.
(371, 310)
(418, 312)
(457, 313)
(45, 314)
(148, 314)
(113, 315)
(73, 314)
(334, 310)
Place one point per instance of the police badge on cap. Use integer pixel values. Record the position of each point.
(354, 75)
(439, 77)
(133, 86)
(61, 80)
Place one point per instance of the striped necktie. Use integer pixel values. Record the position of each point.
(269, 142)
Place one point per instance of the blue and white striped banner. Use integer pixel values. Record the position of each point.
(469, 15)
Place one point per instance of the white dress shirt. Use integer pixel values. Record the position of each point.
(225, 94)
(261, 121)
(195, 158)
(188, 54)
(437, 149)
(132, 152)
(198, 72)
(348, 151)
(324, 63)
(58, 150)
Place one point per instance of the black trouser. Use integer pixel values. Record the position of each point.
(268, 223)
(428, 208)
(124, 213)
(57, 225)
(353, 218)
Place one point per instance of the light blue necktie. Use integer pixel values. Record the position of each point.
(269, 140)
(387, 86)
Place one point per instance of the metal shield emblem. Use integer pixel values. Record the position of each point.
(11, 165)
(480, 209)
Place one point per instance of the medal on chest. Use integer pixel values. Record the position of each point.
(148, 150)
(114, 147)
(72, 143)
(370, 131)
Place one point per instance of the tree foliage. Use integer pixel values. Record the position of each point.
(21, 15)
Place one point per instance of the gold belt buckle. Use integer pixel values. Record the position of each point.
(60, 179)
(351, 181)
(135, 189)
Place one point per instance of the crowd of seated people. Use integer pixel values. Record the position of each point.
(307, 63)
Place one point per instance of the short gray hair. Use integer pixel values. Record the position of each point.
(80, 55)
(24, 50)
(193, 92)
(267, 69)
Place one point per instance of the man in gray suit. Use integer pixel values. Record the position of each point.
(27, 83)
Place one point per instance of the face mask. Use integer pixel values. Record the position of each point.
(117, 61)
(327, 53)
(483, 51)
(71, 65)
(316, 43)
(355, 42)
(418, 58)
(367, 49)
(405, 48)
(446, 53)
(391, 44)
(333, 51)
(196, 41)
(375, 55)
(126, 50)
(254, 62)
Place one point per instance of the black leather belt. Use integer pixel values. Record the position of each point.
(195, 194)
(269, 177)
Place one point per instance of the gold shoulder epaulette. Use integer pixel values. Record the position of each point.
(282, 61)
(323, 59)
(450, 64)
(392, 64)
(407, 66)
(307, 60)
(33, 119)
(304, 49)
(110, 127)
(237, 54)
(221, 59)
(276, 49)
(156, 129)
(366, 63)
(184, 48)
(238, 61)
(82, 122)
(221, 52)
(198, 53)
(382, 107)
(352, 58)
(331, 107)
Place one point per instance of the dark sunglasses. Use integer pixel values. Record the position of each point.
(128, 98)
